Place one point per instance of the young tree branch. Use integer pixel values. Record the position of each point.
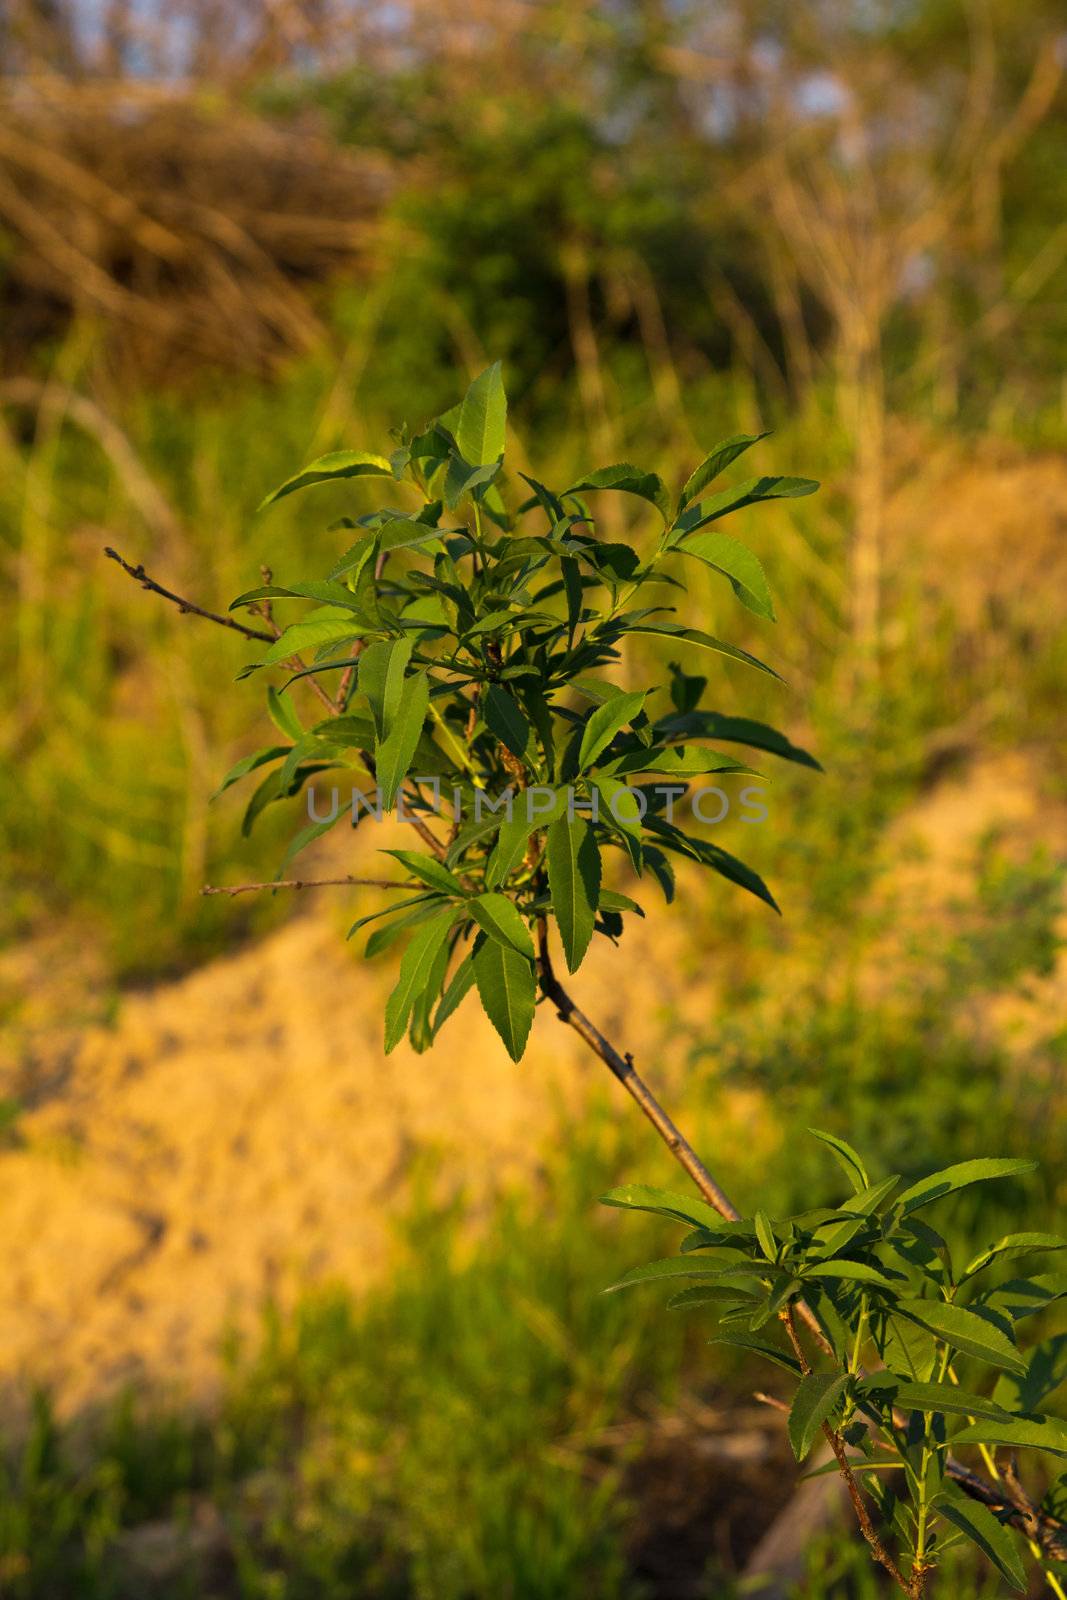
(1051, 1535)
(140, 576)
(301, 883)
(334, 708)
(866, 1526)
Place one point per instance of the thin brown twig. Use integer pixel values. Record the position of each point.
(426, 834)
(140, 576)
(867, 1528)
(771, 1400)
(302, 883)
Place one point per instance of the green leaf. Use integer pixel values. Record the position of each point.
(934, 1399)
(247, 764)
(816, 1398)
(674, 1267)
(742, 494)
(1046, 1369)
(958, 1177)
(628, 480)
(1013, 1244)
(605, 722)
(499, 918)
(460, 985)
(338, 464)
(855, 1171)
(980, 1525)
(429, 870)
(1022, 1297)
(574, 882)
(382, 666)
(716, 461)
(310, 635)
(510, 849)
(742, 730)
(326, 592)
(760, 1347)
(504, 719)
(1018, 1433)
(282, 713)
(394, 755)
(702, 1294)
(415, 968)
(738, 564)
(705, 641)
(965, 1330)
(665, 1203)
(572, 588)
(853, 1271)
(507, 988)
(480, 431)
(766, 1236)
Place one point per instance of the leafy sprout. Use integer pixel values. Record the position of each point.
(468, 649)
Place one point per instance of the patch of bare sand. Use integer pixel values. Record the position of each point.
(239, 1134)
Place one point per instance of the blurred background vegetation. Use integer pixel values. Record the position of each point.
(234, 236)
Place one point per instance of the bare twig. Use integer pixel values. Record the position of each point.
(867, 1528)
(302, 883)
(771, 1400)
(139, 574)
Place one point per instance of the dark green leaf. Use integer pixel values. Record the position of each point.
(605, 722)
(980, 1525)
(741, 730)
(855, 1171)
(415, 968)
(574, 882)
(394, 755)
(429, 870)
(310, 635)
(1012, 1245)
(853, 1271)
(742, 494)
(817, 1396)
(931, 1398)
(1018, 1433)
(505, 720)
(499, 918)
(705, 641)
(629, 480)
(665, 1203)
(507, 988)
(760, 1347)
(958, 1177)
(460, 985)
(338, 464)
(251, 763)
(736, 562)
(966, 1330)
(480, 430)
(716, 461)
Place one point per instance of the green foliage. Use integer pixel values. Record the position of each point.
(465, 638)
(890, 1342)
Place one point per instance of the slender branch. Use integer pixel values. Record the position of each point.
(623, 1068)
(426, 834)
(139, 574)
(771, 1400)
(1051, 1535)
(867, 1528)
(301, 883)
